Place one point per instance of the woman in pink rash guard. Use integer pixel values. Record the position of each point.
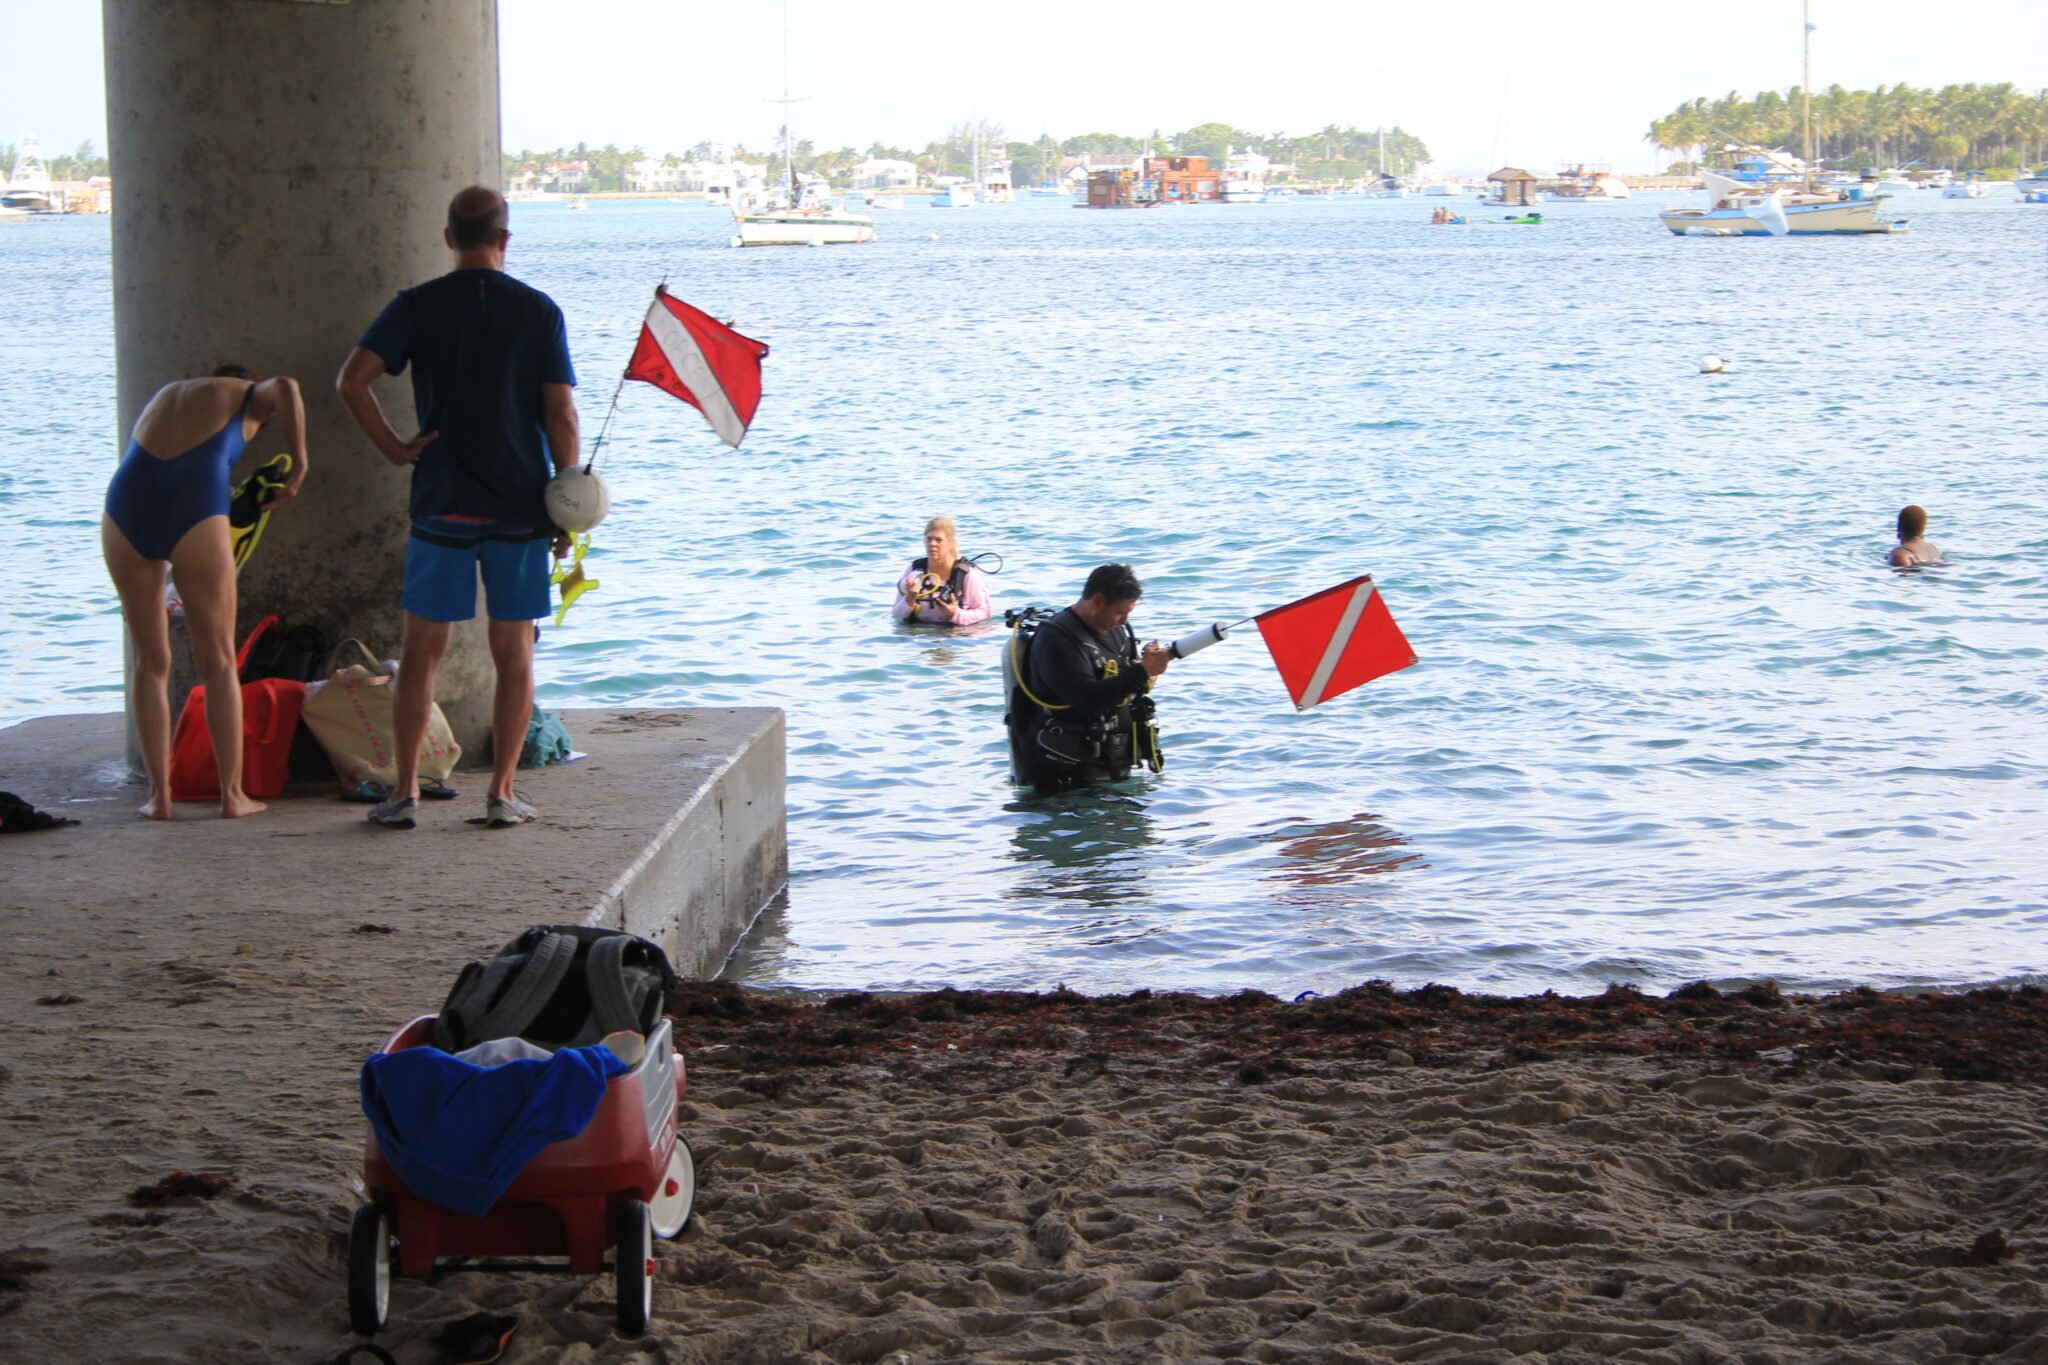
(941, 588)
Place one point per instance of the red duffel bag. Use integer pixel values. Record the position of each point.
(270, 718)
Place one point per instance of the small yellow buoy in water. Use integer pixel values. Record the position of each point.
(1712, 364)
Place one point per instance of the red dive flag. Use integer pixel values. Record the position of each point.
(1334, 641)
(701, 361)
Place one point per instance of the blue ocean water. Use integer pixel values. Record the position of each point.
(1673, 718)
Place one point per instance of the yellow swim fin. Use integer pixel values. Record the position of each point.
(569, 576)
(249, 507)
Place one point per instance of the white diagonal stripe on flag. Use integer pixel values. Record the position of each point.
(687, 359)
(1320, 679)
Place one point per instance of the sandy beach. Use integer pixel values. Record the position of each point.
(1376, 1176)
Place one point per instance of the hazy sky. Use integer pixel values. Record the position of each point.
(1482, 81)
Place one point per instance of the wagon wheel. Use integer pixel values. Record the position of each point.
(634, 1266)
(672, 1202)
(369, 1270)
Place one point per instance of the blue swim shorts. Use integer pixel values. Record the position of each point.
(440, 578)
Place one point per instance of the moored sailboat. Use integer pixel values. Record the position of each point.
(803, 217)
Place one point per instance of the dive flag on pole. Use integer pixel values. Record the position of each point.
(1332, 642)
(702, 361)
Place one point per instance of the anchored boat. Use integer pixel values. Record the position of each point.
(800, 216)
(808, 224)
(1760, 207)
(1740, 210)
(29, 189)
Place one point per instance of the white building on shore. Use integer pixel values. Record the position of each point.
(885, 173)
(655, 175)
(718, 179)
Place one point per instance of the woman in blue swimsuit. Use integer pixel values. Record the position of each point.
(170, 511)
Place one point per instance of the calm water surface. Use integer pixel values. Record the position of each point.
(1673, 717)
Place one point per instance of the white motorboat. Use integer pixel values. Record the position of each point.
(1443, 189)
(996, 187)
(1242, 191)
(29, 189)
(954, 196)
(1971, 186)
(1737, 209)
(2033, 188)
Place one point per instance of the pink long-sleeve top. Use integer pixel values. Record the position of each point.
(974, 600)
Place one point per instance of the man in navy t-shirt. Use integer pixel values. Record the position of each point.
(494, 389)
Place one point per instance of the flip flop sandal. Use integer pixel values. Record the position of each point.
(477, 1339)
(369, 793)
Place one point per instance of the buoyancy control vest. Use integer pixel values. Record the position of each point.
(956, 582)
(1053, 744)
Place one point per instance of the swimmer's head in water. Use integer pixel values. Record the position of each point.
(235, 372)
(476, 217)
(1912, 522)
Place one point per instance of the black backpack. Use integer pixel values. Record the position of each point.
(559, 985)
(298, 653)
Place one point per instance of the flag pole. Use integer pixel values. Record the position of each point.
(604, 428)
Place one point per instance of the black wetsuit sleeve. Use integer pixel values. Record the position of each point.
(1063, 674)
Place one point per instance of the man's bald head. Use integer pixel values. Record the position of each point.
(476, 217)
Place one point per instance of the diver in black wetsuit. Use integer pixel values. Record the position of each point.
(1082, 713)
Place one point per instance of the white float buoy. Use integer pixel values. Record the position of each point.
(577, 499)
(1712, 364)
(931, 236)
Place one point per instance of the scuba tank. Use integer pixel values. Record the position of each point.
(1019, 710)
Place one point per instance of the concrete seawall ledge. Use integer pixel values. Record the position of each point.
(672, 828)
(199, 995)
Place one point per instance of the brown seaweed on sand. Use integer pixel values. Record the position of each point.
(1988, 1034)
(179, 1185)
(16, 1268)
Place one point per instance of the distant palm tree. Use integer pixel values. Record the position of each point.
(1896, 124)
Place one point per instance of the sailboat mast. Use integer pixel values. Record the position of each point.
(788, 135)
(1806, 92)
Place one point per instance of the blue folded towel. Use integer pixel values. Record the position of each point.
(458, 1134)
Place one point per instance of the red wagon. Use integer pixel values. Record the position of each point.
(626, 1179)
